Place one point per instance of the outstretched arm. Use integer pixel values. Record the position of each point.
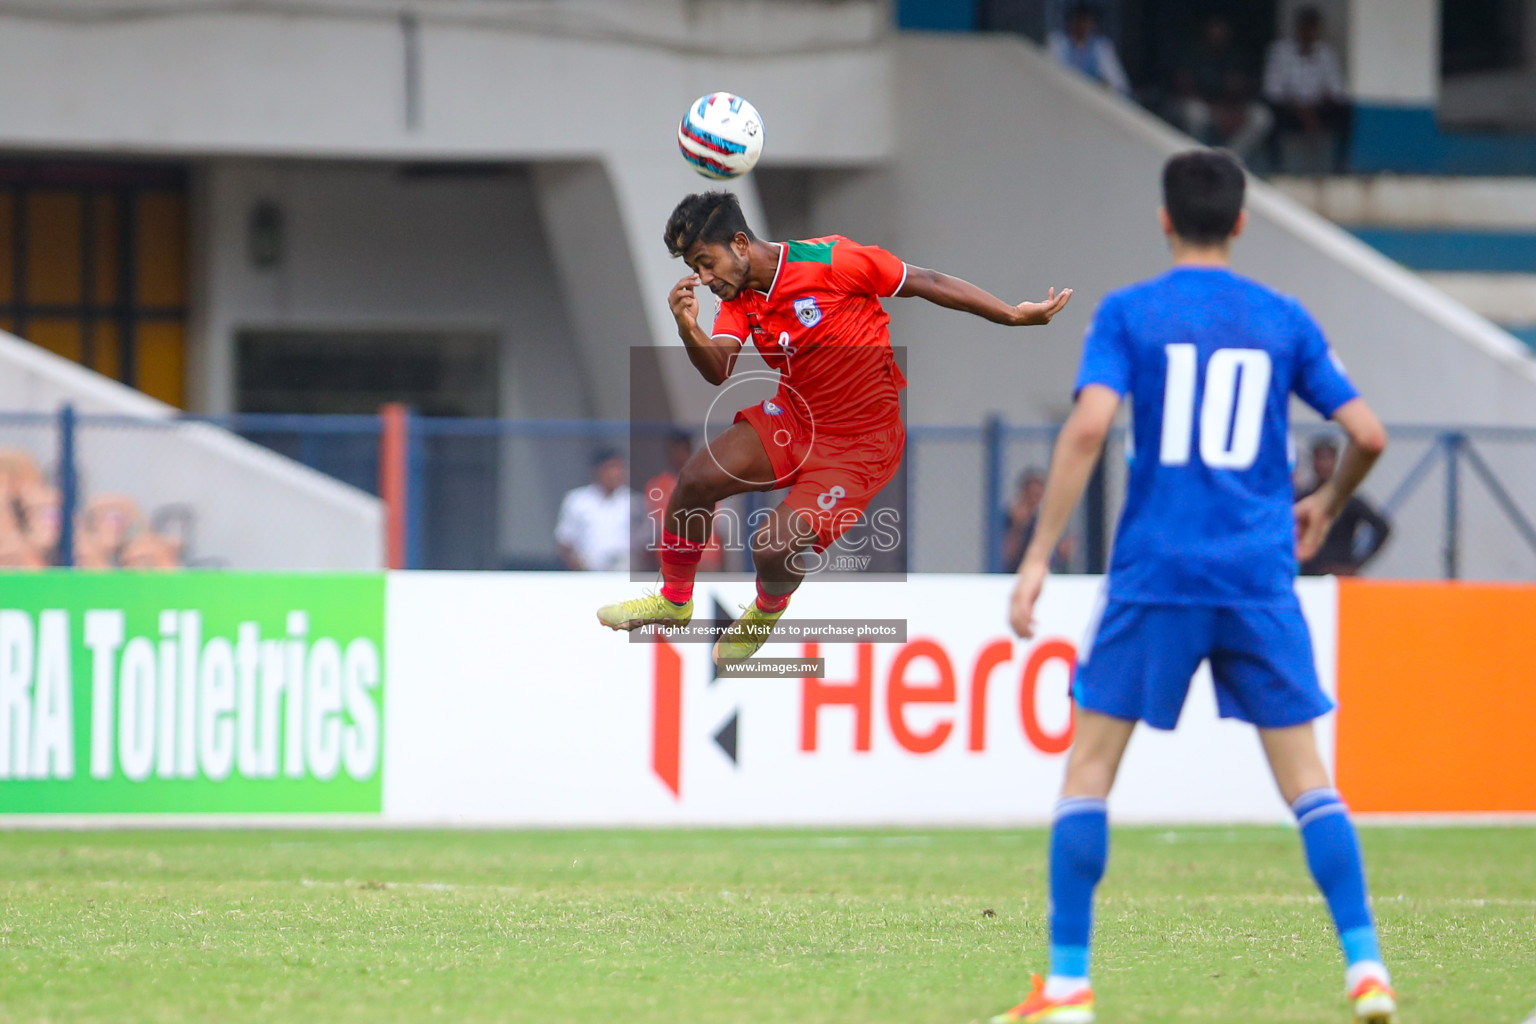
(1077, 452)
(953, 293)
(714, 357)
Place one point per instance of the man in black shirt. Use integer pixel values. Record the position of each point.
(1356, 535)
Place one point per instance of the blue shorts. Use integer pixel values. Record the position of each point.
(1139, 659)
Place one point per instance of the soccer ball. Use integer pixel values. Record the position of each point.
(721, 136)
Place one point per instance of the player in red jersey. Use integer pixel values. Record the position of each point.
(832, 433)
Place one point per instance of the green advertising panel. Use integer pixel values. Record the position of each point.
(181, 693)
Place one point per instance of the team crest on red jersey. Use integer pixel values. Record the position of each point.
(807, 310)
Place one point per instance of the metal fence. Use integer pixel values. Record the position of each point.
(485, 493)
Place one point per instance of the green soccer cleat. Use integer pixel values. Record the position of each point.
(650, 610)
(743, 637)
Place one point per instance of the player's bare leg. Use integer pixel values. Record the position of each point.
(1333, 855)
(779, 548)
(732, 463)
(1294, 760)
(1098, 745)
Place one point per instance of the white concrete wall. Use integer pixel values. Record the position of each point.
(1394, 51)
(255, 509)
(572, 84)
(1394, 200)
(368, 247)
(497, 80)
(562, 262)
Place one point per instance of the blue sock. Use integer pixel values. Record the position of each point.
(1079, 851)
(1333, 854)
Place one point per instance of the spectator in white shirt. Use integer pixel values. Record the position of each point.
(1312, 111)
(597, 522)
(1088, 50)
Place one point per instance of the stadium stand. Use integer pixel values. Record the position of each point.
(111, 531)
(254, 508)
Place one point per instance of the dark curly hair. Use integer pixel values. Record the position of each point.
(710, 217)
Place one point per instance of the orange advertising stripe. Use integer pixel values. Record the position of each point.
(394, 480)
(1437, 696)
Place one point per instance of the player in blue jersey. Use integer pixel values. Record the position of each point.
(1204, 561)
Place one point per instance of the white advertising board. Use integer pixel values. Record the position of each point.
(509, 705)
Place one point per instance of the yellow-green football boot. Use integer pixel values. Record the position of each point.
(652, 609)
(742, 638)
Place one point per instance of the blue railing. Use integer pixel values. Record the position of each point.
(484, 493)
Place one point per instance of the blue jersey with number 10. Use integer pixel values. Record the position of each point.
(1209, 359)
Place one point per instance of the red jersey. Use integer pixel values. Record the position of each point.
(822, 326)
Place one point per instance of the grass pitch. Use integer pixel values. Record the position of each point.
(764, 926)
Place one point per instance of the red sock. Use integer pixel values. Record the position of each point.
(679, 562)
(771, 602)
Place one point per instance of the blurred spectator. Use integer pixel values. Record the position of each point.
(41, 513)
(151, 551)
(174, 526)
(18, 471)
(658, 491)
(1084, 47)
(28, 518)
(15, 551)
(107, 526)
(1214, 96)
(110, 531)
(1312, 111)
(1019, 529)
(597, 522)
(1356, 536)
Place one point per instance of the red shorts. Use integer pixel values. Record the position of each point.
(832, 477)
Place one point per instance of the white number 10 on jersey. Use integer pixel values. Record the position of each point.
(1231, 414)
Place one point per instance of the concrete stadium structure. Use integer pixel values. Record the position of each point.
(503, 170)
